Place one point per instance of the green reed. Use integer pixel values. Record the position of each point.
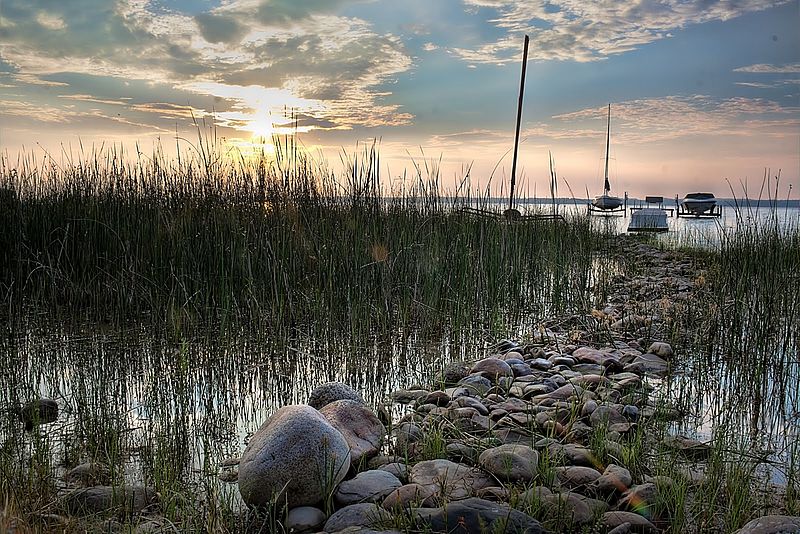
(271, 242)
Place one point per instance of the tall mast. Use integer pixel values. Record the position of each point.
(606, 185)
(519, 119)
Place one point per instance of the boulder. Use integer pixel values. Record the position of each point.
(89, 474)
(367, 486)
(638, 523)
(99, 499)
(359, 426)
(38, 412)
(448, 479)
(305, 519)
(476, 516)
(510, 462)
(357, 515)
(772, 524)
(332, 391)
(575, 477)
(615, 479)
(296, 455)
(662, 350)
(410, 495)
(492, 368)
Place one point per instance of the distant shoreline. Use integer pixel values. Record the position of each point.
(743, 202)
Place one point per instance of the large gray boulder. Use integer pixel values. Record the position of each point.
(330, 392)
(296, 456)
(511, 462)
(772, 524)
(476, 516)
(360, 427)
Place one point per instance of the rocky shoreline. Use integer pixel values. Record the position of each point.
(542, 435)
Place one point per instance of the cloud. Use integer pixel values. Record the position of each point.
(588, 31)
(764, 68)
(337, 67)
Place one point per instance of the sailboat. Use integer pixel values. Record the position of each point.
(606, 201)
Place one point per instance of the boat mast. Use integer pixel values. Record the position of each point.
(606, 185)
(519, 119)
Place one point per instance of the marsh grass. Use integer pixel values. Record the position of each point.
(274, 243)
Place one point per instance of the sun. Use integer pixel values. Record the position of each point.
(262, 129)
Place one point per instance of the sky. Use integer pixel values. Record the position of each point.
(705, 95)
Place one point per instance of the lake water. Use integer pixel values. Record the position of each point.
(191, 400)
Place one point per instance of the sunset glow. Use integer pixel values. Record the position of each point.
(703, 95)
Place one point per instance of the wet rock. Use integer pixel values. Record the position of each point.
(408, 396)
(410, 495)
(571, 454)
(662, 350)
(439, 398)
(99, 499)
(649, 364)
(453, 373)
(637, 522)
(640, 498)
(89, 474)
(511, 462)
(691, 448)
(567, 508)
(357, 515)
(293, 451)
(367, 486)
(305, 519)
(461, 453)
(360, 427)
(476, 384)
(38, 412)
(329, 392)
(492, 368)
(575, 477)
(772, 524)
(398, 469)
(448, 479)
(476, 516)
(470, 402)
(606, 415)
(615, 479)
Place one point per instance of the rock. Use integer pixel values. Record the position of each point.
(398, 469)
(571, 454)
(492, 368)
(511, 462)
(305, 519)
(89, 474)
(38, 412)
(470, 402)
(649, 364)
(637, 522)
(476, 384)
(772, 524)
(575, 477)
(615, 479)
(448, 479)
(404, 435)
(439, 398)
(461, 453)
(662, 350)
(329, 392)
(453, 373)
(688, 446)
(640, 499)
(367, 486)
(408, 396)
(567, 508)
(606, 415)
(357, 515)
(410, 495)
(296, 455)
(359, 426)
(476, 516)
(98, 499)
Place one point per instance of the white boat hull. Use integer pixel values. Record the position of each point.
(698, 206)
(606, 202)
